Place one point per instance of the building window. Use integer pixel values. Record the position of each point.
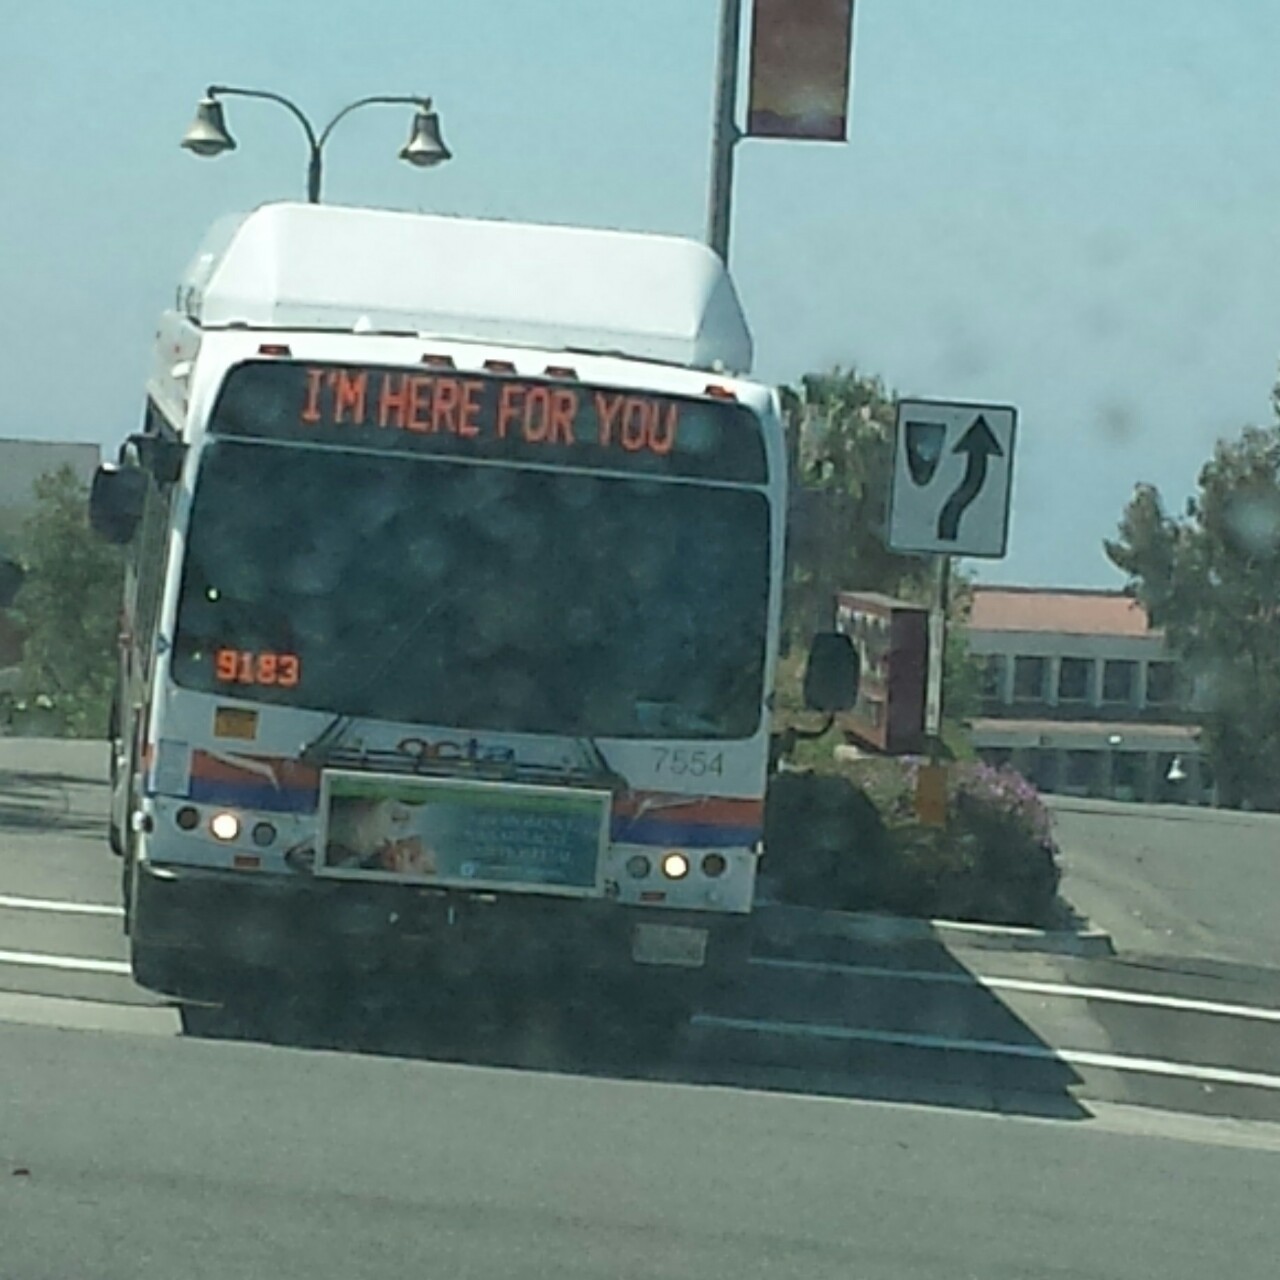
(1029, 679)
(1162, 684)
(1073, 679)
(1126, 775)
(992, 673)
(1118, 678)
(996, 757)
(1082, 770)
(1206, 773)
(1044, 770)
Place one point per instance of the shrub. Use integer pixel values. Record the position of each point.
(853, 842)
(1001, 818)
(825, 841)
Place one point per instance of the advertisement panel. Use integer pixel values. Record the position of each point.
(801, 59)
(477, 835)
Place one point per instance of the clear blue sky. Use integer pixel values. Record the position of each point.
(1073, 207)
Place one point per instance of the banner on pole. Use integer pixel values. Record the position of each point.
(801, 64)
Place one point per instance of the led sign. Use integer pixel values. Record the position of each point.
(492, 417)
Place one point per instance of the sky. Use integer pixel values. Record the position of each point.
(1072, 208)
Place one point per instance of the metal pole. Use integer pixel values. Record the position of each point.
(314, 169)
(937, 657)
(726, 134)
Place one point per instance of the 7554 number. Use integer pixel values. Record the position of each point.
(693, 762)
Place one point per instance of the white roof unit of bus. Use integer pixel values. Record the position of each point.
(329, 267)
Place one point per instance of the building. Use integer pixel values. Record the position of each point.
(22, 463)
(1080, 695)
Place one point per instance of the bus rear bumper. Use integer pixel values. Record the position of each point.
(194, 931)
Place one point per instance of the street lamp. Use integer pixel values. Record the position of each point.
(726, 135)
(208, 135)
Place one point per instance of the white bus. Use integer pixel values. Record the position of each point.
(454, 575)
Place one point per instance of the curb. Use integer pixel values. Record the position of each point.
(779, 926)
(1157, 812)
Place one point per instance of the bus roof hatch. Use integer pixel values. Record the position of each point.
(561, 288)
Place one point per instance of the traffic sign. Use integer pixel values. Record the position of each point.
(952, 478)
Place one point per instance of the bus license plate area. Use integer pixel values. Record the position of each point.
(677, 945)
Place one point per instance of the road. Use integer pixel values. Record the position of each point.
(755, 1148)
(918, 1022)
(1168, 880)
(139, 1157)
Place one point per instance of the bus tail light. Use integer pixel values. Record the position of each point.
(714, 865)
(638, 866)
(187, 818)
(263, 834)
(274, 349)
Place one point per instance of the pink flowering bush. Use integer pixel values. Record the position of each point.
(853, 842)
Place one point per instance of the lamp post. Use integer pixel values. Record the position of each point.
(726, 134)
(208, 135)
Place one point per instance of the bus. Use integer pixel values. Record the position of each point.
(451, 614)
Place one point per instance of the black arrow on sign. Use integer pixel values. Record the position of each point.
(980, 444)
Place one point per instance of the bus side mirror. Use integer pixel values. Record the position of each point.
(12, 576)
(832, 673)
(116, 499)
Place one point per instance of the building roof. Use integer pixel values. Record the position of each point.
(560, 288)
(1062, 611)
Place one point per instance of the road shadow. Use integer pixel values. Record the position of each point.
(1066, 917)
(900, 1019)
(831, 1018)
(32, 802)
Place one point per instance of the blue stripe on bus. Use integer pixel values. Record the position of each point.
(690, 835)
(254, 795)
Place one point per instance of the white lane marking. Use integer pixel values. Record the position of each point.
(88, 1015)
(78, 964)
(1028, 986)
(999, 1048)
(59, 905)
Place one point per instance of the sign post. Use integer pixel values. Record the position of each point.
(950, 496)
(931, 781)
(937, 654)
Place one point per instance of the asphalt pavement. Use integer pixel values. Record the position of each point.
(1169, 880)
(126, 1157)
(921, 1020)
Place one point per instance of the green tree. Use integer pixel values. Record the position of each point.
(840, 438)
(69, 607)
(840, 434)
(1211, 579)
